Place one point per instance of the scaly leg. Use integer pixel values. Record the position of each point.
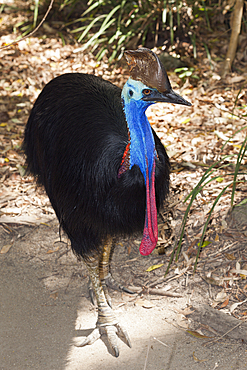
(104, 271)
(107, 321)
(105, 275)
(104, 268)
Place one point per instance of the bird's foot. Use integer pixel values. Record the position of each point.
(111, 331)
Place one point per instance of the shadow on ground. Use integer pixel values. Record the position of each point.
(44, 313)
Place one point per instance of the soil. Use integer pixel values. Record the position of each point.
(46, 310)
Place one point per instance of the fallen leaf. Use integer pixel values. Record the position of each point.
(217, 238)
(6, 248)
(219, 179)
(54, 295)
(196, 359)
(221, 135)
(154, 267)
(230, 257)
(213, 281)
(21, 169)
(225, 303)
(221, 296)
(242, 203)
(204, 244)
(234, 79)
(144, 303)
(238, 266)
(241, 272)
(52, 251)
(235, 305)
(186, 120)
(197, 335)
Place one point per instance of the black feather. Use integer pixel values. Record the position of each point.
(74, 143)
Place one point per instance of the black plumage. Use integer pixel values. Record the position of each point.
(74, 142)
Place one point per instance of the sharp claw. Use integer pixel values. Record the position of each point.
(112, 338)
(90, 339)
(116, 351)
(91, 295)
(111, 283)
(123, 333)
(126, 290)
(91, 292)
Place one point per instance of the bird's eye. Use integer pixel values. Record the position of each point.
(130, 93)
(146, 91)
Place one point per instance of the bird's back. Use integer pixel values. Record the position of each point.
(74, 142)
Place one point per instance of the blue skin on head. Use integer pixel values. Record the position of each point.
(142, 147)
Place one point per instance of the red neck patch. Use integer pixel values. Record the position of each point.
(125, 164)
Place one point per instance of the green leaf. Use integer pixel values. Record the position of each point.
(95, 5)
(181, 69)
(87, 29)
(186, 120)
(241, 203)
(205, 243)
(219, 179)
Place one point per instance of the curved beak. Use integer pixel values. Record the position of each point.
(166, 97)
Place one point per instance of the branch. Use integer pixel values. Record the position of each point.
(36, 29)
(236, 27)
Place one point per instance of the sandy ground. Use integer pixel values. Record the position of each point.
(45, 310)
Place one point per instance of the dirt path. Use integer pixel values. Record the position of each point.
(45, 310)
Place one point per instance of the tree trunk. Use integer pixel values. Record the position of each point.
(236, 27)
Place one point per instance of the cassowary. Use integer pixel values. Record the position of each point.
(103, 167)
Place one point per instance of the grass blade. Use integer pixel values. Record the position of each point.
(207, 222)
(241, 154)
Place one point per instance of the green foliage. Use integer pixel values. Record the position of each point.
(114, 24)
(206, 179)
(25, 26)
(111, 26)
(2, 8)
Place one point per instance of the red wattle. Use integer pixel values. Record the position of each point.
(150, 233)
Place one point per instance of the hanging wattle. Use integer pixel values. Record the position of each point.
(140, 151)
(150, 232)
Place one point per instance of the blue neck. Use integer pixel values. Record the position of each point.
(142, 146)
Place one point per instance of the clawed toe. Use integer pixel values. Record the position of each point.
(90, 339)
(111, 332)
(91, 292)
(122, 332)
(112, 338)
